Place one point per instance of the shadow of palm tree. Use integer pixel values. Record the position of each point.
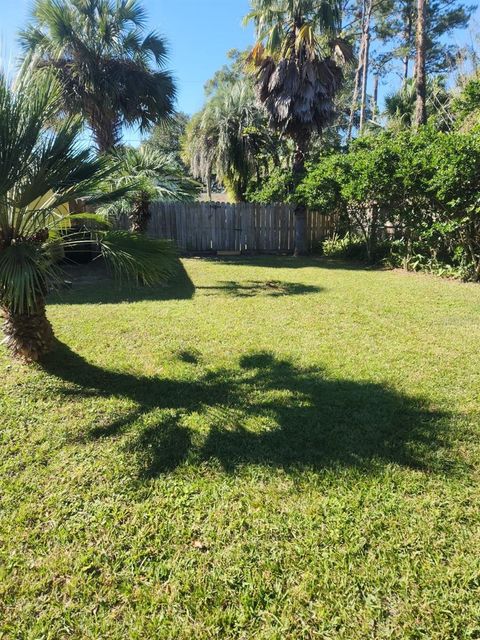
(92, 284)
(266, 412)
(251, 288)
(291, 262)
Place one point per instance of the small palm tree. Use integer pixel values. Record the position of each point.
(42, 170)
(297, 60)
(111, 71)
(149, 175)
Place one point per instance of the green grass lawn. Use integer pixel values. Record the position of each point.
(265, 449)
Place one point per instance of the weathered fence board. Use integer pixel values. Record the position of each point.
(245, 227)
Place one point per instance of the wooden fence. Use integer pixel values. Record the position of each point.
(247, 227)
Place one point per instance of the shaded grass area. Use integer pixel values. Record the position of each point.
(263, 449)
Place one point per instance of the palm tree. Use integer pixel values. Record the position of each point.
(150, 176)
(400, 107)
(111, 71)
(298, 60)
(42, 170)
(229, 139)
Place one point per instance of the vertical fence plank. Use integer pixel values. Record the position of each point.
(252, 227)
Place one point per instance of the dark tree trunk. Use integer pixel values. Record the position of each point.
(28, 336)
(105, 132)
(365, 66)
(376, 82)
(140, 216)
(420, 74)
(301, 248)
(408, 38)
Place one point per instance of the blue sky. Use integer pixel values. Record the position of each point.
(199, 32)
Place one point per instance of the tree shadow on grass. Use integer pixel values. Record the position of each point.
(291, 262)
(265, 412)
(91, 284)
(251, 288)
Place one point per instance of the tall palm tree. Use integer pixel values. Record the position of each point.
(228, 138)
(41, 171)
(298, 59)
(112, 72)
(150, 176)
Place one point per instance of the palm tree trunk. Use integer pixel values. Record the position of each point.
(140, 216)
(28, 336)
(420, 75)
(301, 248)
(105, 132)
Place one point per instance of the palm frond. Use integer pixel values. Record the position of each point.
(136, 258)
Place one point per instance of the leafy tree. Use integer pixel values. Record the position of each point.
(41, 172)
(466, 105)
(149, 176)
(112, 72)
(362, 184)
(166, 138)
(278, 187)
(297, 62)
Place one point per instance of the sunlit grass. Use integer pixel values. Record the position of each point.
(267, 448)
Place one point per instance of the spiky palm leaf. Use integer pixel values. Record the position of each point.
(150, 176)
(41, 171)
(111, 71)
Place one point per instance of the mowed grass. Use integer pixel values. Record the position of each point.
(267, 448)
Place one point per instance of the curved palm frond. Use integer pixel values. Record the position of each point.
(228, 138)
(111, 71)
(297, 63)
(42, 171)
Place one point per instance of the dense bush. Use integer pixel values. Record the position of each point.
(425, 187)
(278, 187)
(347, 247)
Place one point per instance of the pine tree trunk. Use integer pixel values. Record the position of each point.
(420, 75)
(408, 37)
(365, 66)
(376, 82)
(28, 336)
(358, 76)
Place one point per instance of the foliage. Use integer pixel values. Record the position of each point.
(42, 171)
(149, 175)
(466, 105)
(400, 105)
(277, 187)
(229, 139)
(359, 185)
(348, 247)
(166, 138)
(112, 72)
(424, 185)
